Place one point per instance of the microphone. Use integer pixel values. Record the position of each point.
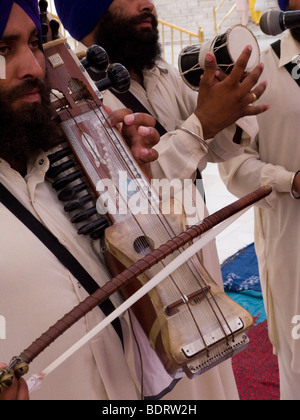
(275, 22)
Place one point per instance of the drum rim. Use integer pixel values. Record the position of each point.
(255, 42)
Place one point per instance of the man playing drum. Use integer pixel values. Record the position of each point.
(274, 159)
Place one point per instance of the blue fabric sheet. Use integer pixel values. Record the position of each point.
(242, 283)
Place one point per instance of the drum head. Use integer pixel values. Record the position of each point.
(238, 38)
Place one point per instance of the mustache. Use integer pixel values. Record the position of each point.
(26, 87)
(139, 19)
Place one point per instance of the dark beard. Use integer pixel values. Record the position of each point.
(135, 49)
(29, 129)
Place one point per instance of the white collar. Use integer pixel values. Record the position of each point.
(290, 49)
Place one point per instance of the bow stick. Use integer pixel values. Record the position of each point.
(19, 364)
(34, 382)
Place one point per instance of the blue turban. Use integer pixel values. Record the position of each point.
(80, 17)
(283, 4)
(29, 6)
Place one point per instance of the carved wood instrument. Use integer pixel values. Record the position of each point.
(187, 317)
(190, 322)
(19, 365)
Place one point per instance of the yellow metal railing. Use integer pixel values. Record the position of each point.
(215, 10)
(178, 37)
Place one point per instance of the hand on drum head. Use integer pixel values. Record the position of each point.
(222, 103)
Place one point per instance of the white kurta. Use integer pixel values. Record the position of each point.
(173, 103)
(273, 159)
(36, 290)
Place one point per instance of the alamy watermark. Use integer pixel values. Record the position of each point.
(127, 195)
(2, 328)
(296, 329)
(296, 68)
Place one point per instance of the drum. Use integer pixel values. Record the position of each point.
(227, 49)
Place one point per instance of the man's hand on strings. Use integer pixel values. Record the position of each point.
(17, 391)
(140, 135)
(222, 102)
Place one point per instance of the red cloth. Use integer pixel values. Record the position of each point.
(256, 368)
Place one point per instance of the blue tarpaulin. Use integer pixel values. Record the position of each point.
(242, 283)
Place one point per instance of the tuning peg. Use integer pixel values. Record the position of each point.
(60, 154)
(118, 78)
(71, 192)
(54, 171)
(44, 32)
(54, 26)
(43, 5)
(84, 215)
(95, 229)
(80, 202)
(98, 233)
(63, 182)
(96, 59)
